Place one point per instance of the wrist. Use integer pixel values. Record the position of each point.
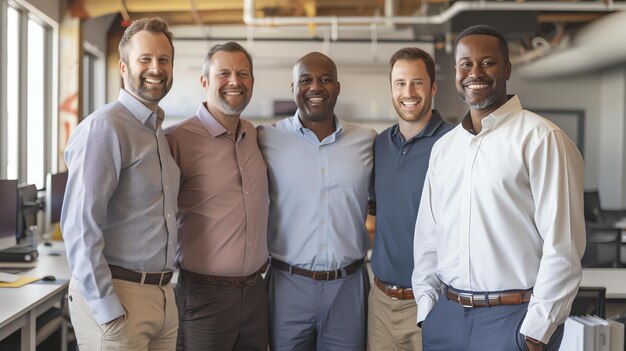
(532, 340)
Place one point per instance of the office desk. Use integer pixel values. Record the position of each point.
(20, 307)
(613, 279)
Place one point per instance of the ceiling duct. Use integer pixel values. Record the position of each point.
(598, 45)
(447, 15)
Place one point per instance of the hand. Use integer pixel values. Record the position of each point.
(109, 323)
(533, 346)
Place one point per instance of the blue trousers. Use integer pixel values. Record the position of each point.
(452, 327)
(307, 314)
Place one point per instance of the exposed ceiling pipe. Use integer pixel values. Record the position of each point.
(596, 46)
(458, 7)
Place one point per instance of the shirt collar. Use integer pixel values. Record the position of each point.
(501, 115)
(138, 110)
(298, 126)
(210, 123)
(431, 127)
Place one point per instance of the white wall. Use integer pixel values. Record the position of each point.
(362, 73)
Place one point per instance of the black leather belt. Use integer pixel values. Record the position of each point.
(319, 275)
(214, 280)
(150, 278)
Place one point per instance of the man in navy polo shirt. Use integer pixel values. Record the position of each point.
(401, 160)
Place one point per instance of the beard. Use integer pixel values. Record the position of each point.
(138, 87)
(223, 106)
(480, 105)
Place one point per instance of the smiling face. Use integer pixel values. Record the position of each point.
(481, 73)
(228, 84)
(411, 90)
(148, 73)
(315, 87)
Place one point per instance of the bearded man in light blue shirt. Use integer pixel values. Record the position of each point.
(319, 170)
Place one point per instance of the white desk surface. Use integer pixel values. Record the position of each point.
(614, 279)
(21, 306)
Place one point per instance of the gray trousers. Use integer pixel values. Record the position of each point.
(307, 314)
(452, 327)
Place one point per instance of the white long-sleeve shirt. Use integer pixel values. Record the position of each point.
(503, 210)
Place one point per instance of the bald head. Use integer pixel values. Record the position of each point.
(313, 58)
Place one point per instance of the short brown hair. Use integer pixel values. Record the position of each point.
(414, 53)
(230, 46)
(154, 25)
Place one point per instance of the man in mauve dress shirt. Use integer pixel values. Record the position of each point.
(500, 229)
(119, 213)
(319, 172)
(222, 218)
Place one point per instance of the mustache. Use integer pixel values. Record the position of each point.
(155, 76)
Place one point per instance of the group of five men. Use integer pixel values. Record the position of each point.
(496, 243)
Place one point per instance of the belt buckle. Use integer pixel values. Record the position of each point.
(461, 295)
(392, 288)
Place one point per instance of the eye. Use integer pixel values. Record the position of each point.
(144, 59)
(418, 83)
(400, 84)
(487, 63)
(244, 74)
(164, 60)
(465, 65)
(304, 81)
(223, 74)
(326, 80)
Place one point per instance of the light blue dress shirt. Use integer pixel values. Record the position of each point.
(121, 199)
(318, 193)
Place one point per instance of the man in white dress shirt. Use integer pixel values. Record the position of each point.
(500, 228)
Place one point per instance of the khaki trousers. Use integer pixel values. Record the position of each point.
(391, 324)
(150, 323)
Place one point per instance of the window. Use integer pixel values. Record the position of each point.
(27, 99)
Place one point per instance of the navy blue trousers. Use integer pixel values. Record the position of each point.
(452, 327)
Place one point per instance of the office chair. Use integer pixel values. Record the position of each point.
(603, 247)
(589, 300)
(594, 213)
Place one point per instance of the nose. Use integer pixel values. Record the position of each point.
(316, 84)
(154, 65)
(476, 71)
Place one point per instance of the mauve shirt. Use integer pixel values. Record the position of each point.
(223, 199)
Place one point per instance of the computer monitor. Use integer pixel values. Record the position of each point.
(27, 209)
(8, 213)
(284, 108)
(55, 191)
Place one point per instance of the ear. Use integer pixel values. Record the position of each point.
(123, 68)
(204, 82)
(507, 70)
(338, 88)
(433, 90)
(292, 87)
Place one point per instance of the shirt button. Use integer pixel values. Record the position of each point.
(246, 193)
(167, 187)
(404, 152)
(323, 170)
(168, 215)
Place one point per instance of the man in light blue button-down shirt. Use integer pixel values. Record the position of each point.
(319, 170)
(119, 213)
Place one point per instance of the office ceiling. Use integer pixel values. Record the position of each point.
(531, 26)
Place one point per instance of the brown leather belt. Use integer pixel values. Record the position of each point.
(319, 275)
(393, 291)
(226, 282)
(487, 299)
(150, 278)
